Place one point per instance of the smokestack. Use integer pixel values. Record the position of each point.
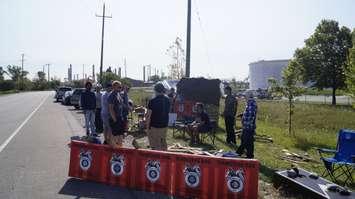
(119, 72)
(71, 72)
(93, 73)
(143, 73)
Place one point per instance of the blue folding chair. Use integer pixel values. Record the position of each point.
(342, 164)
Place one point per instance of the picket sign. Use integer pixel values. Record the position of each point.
(183, 175)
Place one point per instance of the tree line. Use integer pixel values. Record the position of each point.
(18, 80)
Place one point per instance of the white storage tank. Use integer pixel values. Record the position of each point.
(261, 71)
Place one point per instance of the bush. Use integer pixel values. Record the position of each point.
(7, 85)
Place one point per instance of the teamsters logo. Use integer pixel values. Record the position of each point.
(153, 170)
(117, 164)
(235, 180)
(85, 160)
(192, 175)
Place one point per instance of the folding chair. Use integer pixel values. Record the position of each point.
(342, 164)
(211, 133)
(180, 126)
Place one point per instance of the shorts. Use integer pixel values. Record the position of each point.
(157, 138)
(117, 127)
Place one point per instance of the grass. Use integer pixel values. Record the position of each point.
(314, 91)
(8, 92)
(313, 125)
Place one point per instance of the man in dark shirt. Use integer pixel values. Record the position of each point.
(88, 104)
(158, 118)
(115, 106)
(202, 123)
(230, 109)
(125, 107)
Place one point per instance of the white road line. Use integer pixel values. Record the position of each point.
(7, 141)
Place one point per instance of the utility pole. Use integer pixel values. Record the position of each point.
(22, 60)
(125, 68)
(48, 72)
(93, 73)
(188, 39)
(102, 39)
(143, 73)
(83, 72)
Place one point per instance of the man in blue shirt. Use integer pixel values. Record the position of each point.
(88, 104)
(249, 126)
(105, 115)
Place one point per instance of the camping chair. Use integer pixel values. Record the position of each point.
(342, 164)
(211, 133)
(180, 126)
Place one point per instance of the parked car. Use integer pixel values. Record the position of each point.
(60, 92)
(66, 97)
(75, 98)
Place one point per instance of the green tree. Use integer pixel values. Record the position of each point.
(108, 77)
(54, 83)
(289, 88)
(77, 84)
(2, 73)
(155, 78)
(323, 58)
(350, 73)
(16, 73)
(40, 83)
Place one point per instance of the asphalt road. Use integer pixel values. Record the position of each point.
(34, 157)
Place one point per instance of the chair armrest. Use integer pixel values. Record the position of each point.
(326, 150)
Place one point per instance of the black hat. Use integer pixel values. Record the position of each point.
(88, 83)
(159, 87)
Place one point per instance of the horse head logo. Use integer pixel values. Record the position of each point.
(85, 160)
(117, 164)
(152, 170)
(192, 175)
(235, 180)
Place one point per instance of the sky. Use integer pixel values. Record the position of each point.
(227, 35)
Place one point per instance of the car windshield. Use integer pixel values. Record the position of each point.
(64, 89)
(78, 91)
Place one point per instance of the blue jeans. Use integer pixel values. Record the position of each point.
(89, 121)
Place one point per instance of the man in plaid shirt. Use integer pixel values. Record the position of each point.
(248, 123)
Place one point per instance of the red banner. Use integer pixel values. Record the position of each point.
(177, 174)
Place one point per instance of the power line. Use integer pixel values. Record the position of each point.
(204, 34)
